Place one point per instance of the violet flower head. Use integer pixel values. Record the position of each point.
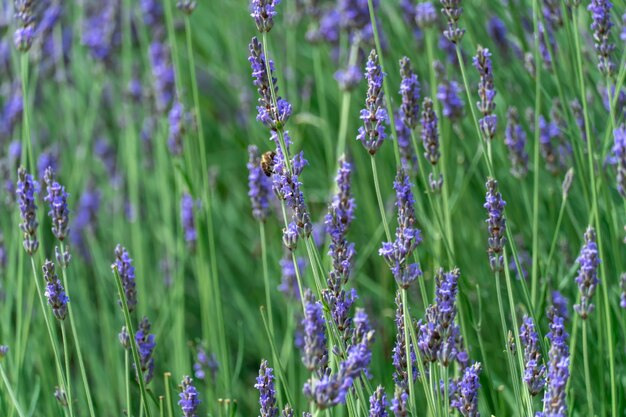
(410, 92)
(622, 284)
(57, 201)
(258, 185)
(85, 219)
(486, 92)
(430, 132)
(267, 392)
(272, 116)
(554, 404)
(399, 357)
(408, 158)
(496, 225)
(189, 401)
(263, 12)
(206, 365)
(515, 140)
(315, 355)
(99, 31)
(187, 206)
(25, 31)
(452, 10)
(378, 403)
(560, 304)
(163, 76)
(425, 14)
(145, 344)
(622, 35)
(534, 370)
(601, 26)
(399, 402)
(497, 32)
(374, 115)
(47, 159)
(11, 115)
(4, 350)
(349, 78)
(448, 93)
(186, 6)
(289, 276)
(55, 293)
(26, 190)
(408, 236)
(176, 120)
(124, 338)
(125, 268)
(152, 13)
(619, 152)
(587, 278)
(467, 400)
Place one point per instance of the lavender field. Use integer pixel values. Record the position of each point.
(316, 208)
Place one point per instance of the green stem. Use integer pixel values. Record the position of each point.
(27, 147)
(127, 382)
(17, 406)
(168, 394)
(381, 204)
(66, 353)
(133, 343)
(266, 278)
(587, 373)
(407, 345)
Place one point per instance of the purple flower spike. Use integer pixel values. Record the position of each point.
(452, 10)
(289, 277)
(619, 152)
(55, 293)
(189, 400)
(448, 94)
(378, 403)
(587, 278)
(425, 15)
(26, 190)
(145, 344)
(399, 402)
(25, 32)
(399, 359)
(515, 140)
(408, 157)
(4, 350)
(258, 184)
(267, 393)
(497, 225)
(486, 92)
(57, 201)
(467, 400)
(163, 75)
(263, 12)
(410, 92)
(176, 132)
(560, 304)
(186, 6)
(206, 365)
(374, 115)
(430, 132)
(622, 284)
(187, 205)
(100, 34)
(315, 356)
(601, 26)
(534, 372)
(125, 268)
(349, 78)
(554, 404)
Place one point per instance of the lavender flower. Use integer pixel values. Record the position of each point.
(452, 10)
(486, 92)
(125, 268)
(534, 372)
(55, 293)
(288, 412)
(290, 236)
(152, 12)
(124, 338)
(189, 400)
(587, 278)
(315, 356)
(554, 404)
(622, 35)
(100, 32)
(399, 358)
(425, 15)
(186, 6)
(408, 236)
(497, 224)
(272, 116)
(26, 190)
(349, 78)
(378, 403)
(259, 185)
(4, 350)
(267, 393)
(205, 365)
(85, 218)
(263, 12)
(410, 92)
(467, 400)
(48, 159)
(601, 26)
(332, 389)
(579, 116)
(187, 205)
(515, 140)
(57, 201)
(176, 132)
(547, 43)
(25, 32)
(622, 284)
(399, 402)
(145, 344)
(448, 94)
(11, 114)
(560, 304)
(430, 132)
(289, 277)
(408, 158)
(619, 151)
(163, 75)
(497, 31)
(374, 115)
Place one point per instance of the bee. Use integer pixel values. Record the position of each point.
(267, 162)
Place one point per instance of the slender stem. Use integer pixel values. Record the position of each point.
(556, 233)
(127, 377)
(27, 147)
(587, 373)
(66, 353)
(409, 364)
(17, 406)
(345, 108)
(381, 205)
(133, 343)
(168, 394)
(266, 278)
